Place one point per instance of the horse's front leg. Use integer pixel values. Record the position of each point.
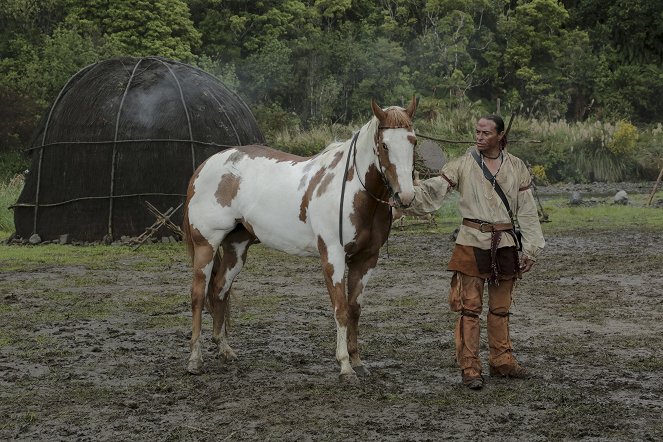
(333, 269)
(359, 270)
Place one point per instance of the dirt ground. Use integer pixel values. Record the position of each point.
(98, 353)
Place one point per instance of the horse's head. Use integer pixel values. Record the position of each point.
(394, 146)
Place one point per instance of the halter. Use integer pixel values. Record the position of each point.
(353, 153)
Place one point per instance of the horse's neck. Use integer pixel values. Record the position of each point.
(365, 149)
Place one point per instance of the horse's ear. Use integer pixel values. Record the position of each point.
(412, 107)
(377, 110)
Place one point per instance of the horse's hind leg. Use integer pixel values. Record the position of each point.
(226, 268)
(203, 260)
(359, 270)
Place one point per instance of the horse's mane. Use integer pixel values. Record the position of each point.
(396, 117)
(333, 146)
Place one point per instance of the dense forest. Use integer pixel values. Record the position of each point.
(305, 63)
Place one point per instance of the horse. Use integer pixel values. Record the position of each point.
(302, 206)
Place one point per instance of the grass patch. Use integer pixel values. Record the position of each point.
(150, 257)
(602, 216)
(562, 216)
(9, 193)
(649, 364)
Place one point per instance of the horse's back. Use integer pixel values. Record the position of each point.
(266, 190)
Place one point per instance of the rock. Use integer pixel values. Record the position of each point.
(64, 239)
(621, 197)
(34, 239)
(575, 199)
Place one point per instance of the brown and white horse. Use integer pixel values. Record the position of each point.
(335, 205)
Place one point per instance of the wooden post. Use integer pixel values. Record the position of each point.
(653, 191)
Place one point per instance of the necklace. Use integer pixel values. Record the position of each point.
(494, 175)
(491, 158)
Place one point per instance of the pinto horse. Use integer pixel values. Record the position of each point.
(335, 205)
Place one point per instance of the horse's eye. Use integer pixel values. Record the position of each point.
(384, 146)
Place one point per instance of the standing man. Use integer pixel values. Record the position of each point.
(486, 247)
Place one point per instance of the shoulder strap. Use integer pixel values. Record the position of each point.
(489, 177)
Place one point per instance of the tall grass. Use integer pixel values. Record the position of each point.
(309, 142)
(9, 193)
(564, 151)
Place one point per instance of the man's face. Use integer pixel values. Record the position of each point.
(487, 136)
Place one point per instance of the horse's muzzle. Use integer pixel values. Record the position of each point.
(403, 201)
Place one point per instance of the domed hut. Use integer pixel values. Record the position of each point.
(122, 133)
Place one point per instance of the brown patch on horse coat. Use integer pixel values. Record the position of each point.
(336, 291)
(337, 158)
(306, 199)
(204, 252)
(412, 139)
(351, 173)
(368, 212)
(254, 151)
(186, 226)
(227, 190)
(324, 184)
(390, 172)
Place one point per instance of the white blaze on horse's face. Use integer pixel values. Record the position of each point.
(397, 158)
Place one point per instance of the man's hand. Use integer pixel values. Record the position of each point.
(526, 264)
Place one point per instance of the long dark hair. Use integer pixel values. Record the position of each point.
(499, 126)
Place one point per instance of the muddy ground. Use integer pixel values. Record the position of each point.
(95, 351)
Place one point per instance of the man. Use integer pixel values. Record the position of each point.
(486, 248)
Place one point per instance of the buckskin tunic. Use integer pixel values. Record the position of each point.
(471, 258)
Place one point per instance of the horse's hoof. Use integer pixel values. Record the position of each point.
(195, 366)
(227, 355)
(362, 371)
(349, 378)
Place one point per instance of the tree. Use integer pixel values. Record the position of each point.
(137, 27)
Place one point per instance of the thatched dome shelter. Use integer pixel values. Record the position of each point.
(122, 133)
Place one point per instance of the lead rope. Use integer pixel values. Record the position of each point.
(353, 145)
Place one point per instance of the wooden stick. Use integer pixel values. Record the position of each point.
(419, 134)
(653, 191)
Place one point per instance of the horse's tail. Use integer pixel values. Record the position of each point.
(186, 225)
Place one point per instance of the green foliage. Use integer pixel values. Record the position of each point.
(137, 27)
(9, 193)
(624, 139)
(11, 164)
(310, 142)
(273, 119)
(324, 60)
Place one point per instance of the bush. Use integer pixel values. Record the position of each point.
(624, 139)
(272, 119)
(308, 143)
(12, 163)
(9, 193)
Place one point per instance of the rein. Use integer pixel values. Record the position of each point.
(353, 145)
